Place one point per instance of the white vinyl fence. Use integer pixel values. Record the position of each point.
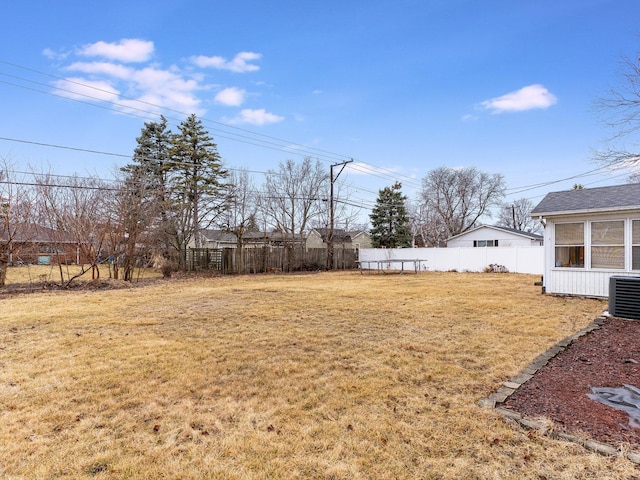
(461, 259)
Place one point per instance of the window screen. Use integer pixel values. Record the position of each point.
(570, 234)
(607, 244)
(569, 248)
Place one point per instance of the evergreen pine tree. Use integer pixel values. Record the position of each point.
(390, 220)
(196, 177)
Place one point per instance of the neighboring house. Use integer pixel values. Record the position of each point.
(318, 237)
(273, 239)
(37, 244)
(361, 239)
(590, 235)
(216, 239)
(494, 236)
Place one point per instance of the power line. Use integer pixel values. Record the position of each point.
(279, 144)
(76, 149)
(274, 143)
(552, 182)
(227, 131)
(57, 185)
(93, 87)
(99, 152)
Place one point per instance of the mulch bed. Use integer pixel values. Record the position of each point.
(606, 357)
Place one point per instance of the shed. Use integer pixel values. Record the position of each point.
(494, 236)
(590, 235)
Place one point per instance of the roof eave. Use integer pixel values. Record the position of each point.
(530, 236)
(584, 211)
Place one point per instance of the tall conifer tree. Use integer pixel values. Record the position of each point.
(196, 176)
(390, 220)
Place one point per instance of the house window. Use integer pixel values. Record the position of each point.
(635, 244)
(485, 243)
(607, 244)
(569, 245)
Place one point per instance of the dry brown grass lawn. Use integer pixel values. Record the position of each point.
(322, 376)
(37, 274)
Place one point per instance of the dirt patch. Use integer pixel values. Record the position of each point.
(606, 357)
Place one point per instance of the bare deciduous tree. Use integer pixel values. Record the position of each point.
(453, 200)
(136, 225)
(242, 206)
(426, 223)
(620, 111)
(80, 211)
(346, 213)
(517, 215)
(293, 195)
(16, 219)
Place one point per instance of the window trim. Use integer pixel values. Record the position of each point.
(634, 223)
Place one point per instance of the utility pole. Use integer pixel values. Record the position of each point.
(332, 212)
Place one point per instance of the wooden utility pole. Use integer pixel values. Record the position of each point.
(332, 212)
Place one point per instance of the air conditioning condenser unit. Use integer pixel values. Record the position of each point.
(624, 297)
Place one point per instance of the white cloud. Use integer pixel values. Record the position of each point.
(232, 97)
(527, 98)
(170, 89)
(102, 68)
(126, 50)
(47, 52)
(82, 89)
(256, 117)
(147, 87)
(157, 102)
(469, 117)
(239, 64)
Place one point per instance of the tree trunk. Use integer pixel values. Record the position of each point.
(4, 264)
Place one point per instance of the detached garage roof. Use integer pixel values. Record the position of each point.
(587, 200)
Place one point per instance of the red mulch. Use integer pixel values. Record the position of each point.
(606, 357)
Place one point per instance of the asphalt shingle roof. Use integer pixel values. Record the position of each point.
(617, 197)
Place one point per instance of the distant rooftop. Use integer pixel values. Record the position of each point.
(533, 236)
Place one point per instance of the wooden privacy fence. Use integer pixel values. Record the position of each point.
(268, 259)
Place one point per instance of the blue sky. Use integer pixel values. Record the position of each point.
(402, 86)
